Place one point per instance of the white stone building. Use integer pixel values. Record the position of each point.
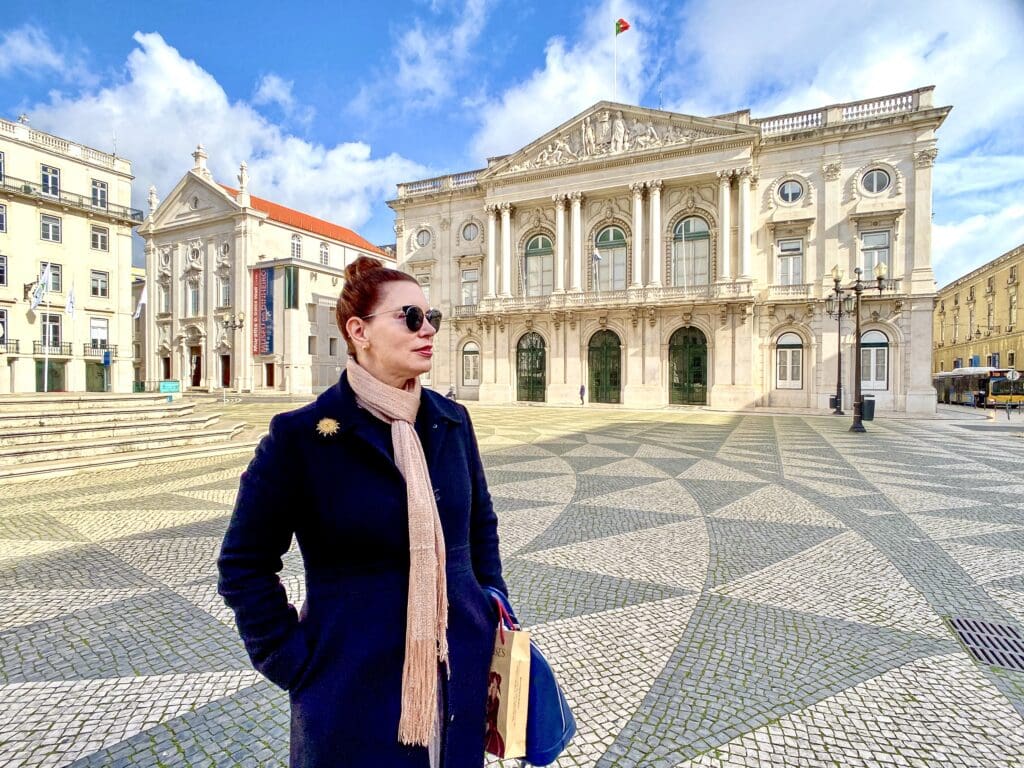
(66, 206)
(662, 258)
(218, 257)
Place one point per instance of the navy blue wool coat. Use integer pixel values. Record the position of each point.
(340, 657)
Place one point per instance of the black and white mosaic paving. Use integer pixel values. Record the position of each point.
(714, 591)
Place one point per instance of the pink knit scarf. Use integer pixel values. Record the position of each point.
(426, 627)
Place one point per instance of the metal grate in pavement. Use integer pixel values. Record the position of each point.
(996, 644)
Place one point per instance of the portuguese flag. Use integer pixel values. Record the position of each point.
(621, 26)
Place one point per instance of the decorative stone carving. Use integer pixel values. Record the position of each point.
(652, 316)
(445, 224)
(831, 171)
(151, 198)
(925, 158)
(634, 316)
(610, 133)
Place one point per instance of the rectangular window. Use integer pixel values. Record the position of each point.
(3, 270)
(470, 367)
(3, 218)
(990, 284)
(1013, 274)
(55, 276)
(49, 228)
(311, 345)
(991, 319)
(332, 346)
(970, 293)
(99, 285)
(789, 365)
(4, 338)
(610, 269)
(1, 166)
(1011, 359)
(956, 328)
(791, 261)
(325, 255)
(225, 292)
(50, 326)
(98, 332)
(470, 286)
(99, 194)
(51, 180)
(539, 274)
(874, 250)
(192, 309)
(995, 360)
(1011, 320)
(874, 368)
(100, 238)
(291, 287)
(165, 299)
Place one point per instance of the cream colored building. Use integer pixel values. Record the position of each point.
(976, 317)
(216, 255)
(660, 258)
(68, 206)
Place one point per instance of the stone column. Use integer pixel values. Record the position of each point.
(744, 223)
(491, 251)
(506, 250)
(638, 234)
(559, 265)
(576, 199)
(725, 226)
(657, 257)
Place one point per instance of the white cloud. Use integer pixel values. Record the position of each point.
(275, 90)
(965, 245)
(573, 78)
(166, 104)
(430, 60)
(27, 49)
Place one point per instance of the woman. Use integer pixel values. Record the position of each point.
(381, 483)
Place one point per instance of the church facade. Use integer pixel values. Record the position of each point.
(647, 258)
(241, 291)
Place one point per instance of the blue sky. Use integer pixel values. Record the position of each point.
(332, 104)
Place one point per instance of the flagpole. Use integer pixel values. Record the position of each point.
(615, 69)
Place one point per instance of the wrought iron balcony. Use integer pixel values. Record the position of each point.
(89, 350)
(35, 191)
(53, 350)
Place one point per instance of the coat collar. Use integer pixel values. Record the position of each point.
(433, 420)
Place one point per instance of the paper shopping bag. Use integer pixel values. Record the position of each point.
(508, 693)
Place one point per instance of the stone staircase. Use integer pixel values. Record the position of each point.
(55, 434)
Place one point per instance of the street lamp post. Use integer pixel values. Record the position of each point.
(231, 324)
(858, 402)
(835, 305)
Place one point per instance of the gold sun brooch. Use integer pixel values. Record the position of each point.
(327, 427)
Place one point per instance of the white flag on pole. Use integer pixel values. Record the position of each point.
(138, 307)
(69, 306)
(42, 287)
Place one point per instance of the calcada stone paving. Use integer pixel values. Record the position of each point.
(714, 591)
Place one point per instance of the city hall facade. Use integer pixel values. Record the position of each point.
(655, 258)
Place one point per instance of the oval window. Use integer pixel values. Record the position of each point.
(470, 231)
(791, 191)
(876, 180)
(423, 238)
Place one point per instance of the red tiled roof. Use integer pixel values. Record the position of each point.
(306, 222)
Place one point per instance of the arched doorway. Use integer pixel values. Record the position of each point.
(530, 367)
(688, 367)
(605, 363)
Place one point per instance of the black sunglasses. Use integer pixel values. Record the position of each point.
(414, 316)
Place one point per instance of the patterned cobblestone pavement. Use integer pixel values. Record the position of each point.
(715, 591)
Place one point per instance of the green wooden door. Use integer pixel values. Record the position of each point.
(530, 368)
(688, 367)
(605, 362)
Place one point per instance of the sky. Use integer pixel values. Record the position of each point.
(332, 104)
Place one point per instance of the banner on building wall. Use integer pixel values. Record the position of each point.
(263, 311)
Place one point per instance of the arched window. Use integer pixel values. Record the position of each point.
(789, 362)
(874, 360)
(471, 364)
(691, 252)
(609, 260)
(325, 254)
(538, 266)
(296, 247)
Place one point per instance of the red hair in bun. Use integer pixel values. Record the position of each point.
(363, 279)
